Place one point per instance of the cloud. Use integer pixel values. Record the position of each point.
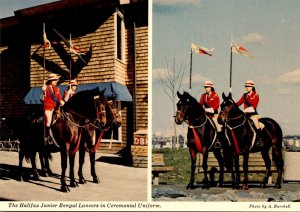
(156, 73)
(196, 78)
(177, 2)
(292, 77)
(253, 38)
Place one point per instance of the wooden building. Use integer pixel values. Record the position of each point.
(112, 38)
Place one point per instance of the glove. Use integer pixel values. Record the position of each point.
(61, 103)
(44, 87)
(209, 110)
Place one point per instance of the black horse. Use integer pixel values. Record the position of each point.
(29, 131)
(239, 130)
(201, 136)
(84, 108)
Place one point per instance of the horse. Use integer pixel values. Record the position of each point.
(201, 136)
(29, 131)
(239, 130)
(81, 110)
(89, 135)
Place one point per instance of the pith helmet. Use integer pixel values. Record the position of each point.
(208, 84)
(249, 83)
(52, 77)
(73, 82)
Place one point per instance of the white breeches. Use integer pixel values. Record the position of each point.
(48, 114)
(218, 126)
(209, 110)
(254, 118)
(249, 110)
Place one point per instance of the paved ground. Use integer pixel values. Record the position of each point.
(118, 182)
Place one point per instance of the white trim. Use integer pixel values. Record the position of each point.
(116, 15)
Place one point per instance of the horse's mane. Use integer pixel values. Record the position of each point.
(193, 101)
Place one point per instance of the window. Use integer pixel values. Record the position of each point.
(114, 134)
(120, 35)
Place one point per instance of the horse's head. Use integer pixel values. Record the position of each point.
(88, 105)
(115, 112)
(229, 109)
(187, 107)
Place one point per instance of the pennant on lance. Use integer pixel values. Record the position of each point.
(201, 50)
(240, 50)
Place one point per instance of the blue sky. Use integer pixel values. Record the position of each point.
(7, 7)
(269, 29)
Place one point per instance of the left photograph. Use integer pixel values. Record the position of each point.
(74, 100)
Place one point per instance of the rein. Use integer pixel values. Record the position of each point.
(235, 141)
(77, 125)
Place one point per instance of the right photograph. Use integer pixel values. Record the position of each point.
(225, 93)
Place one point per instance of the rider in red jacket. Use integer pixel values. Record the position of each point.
(211, 102)
(250, 101)
(52, 99)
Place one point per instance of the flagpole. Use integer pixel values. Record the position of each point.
(230, 80)
(44, 55)
(191, 67)
(70, 60)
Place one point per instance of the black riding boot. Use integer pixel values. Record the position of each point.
(259, 138)
(47, 138)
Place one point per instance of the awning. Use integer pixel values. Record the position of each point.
(113, 89)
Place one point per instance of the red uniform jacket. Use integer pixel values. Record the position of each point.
(212, 101)
(51, 98)
(249, 100)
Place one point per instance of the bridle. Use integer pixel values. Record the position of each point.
(99, 112)
(227, 120)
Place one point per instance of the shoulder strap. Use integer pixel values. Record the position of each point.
(53, 97)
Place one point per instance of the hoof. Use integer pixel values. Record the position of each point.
(96, 180)
(64, 189)
(245, 187)
(277, 185)
(50, 173)
(73, 183)
(82, 180)
(190, 186)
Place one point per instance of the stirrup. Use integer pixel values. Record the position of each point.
(259, 142)
(49, 140)
(217, 145)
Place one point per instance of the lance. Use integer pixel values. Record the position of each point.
(70, 59)
(230, 78)
(191, 65)
(44, 55)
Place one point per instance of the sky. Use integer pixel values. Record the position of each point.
(7, 7)
(268, 29)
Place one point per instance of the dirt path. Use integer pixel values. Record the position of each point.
(118, 182)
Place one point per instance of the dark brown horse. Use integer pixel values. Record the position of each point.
(239, 130)
(81, 110)
(91, 138)
(201, 135)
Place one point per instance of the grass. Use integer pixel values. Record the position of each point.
(180, 160)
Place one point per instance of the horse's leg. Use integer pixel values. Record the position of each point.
(236, 177)
(245, 167)
(21, 171)
(266, 157)
(81, 162)
(47, 156)
(219, 157)
(93, 170)
(63, 162)
(204, 166)
(33, 164)
(193, 155)
(42, 161)
(73, 182)
(277, 157)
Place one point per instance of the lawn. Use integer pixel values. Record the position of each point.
(180, 160)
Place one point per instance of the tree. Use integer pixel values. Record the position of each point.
(171, 79)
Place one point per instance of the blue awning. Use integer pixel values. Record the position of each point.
(113, 89)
